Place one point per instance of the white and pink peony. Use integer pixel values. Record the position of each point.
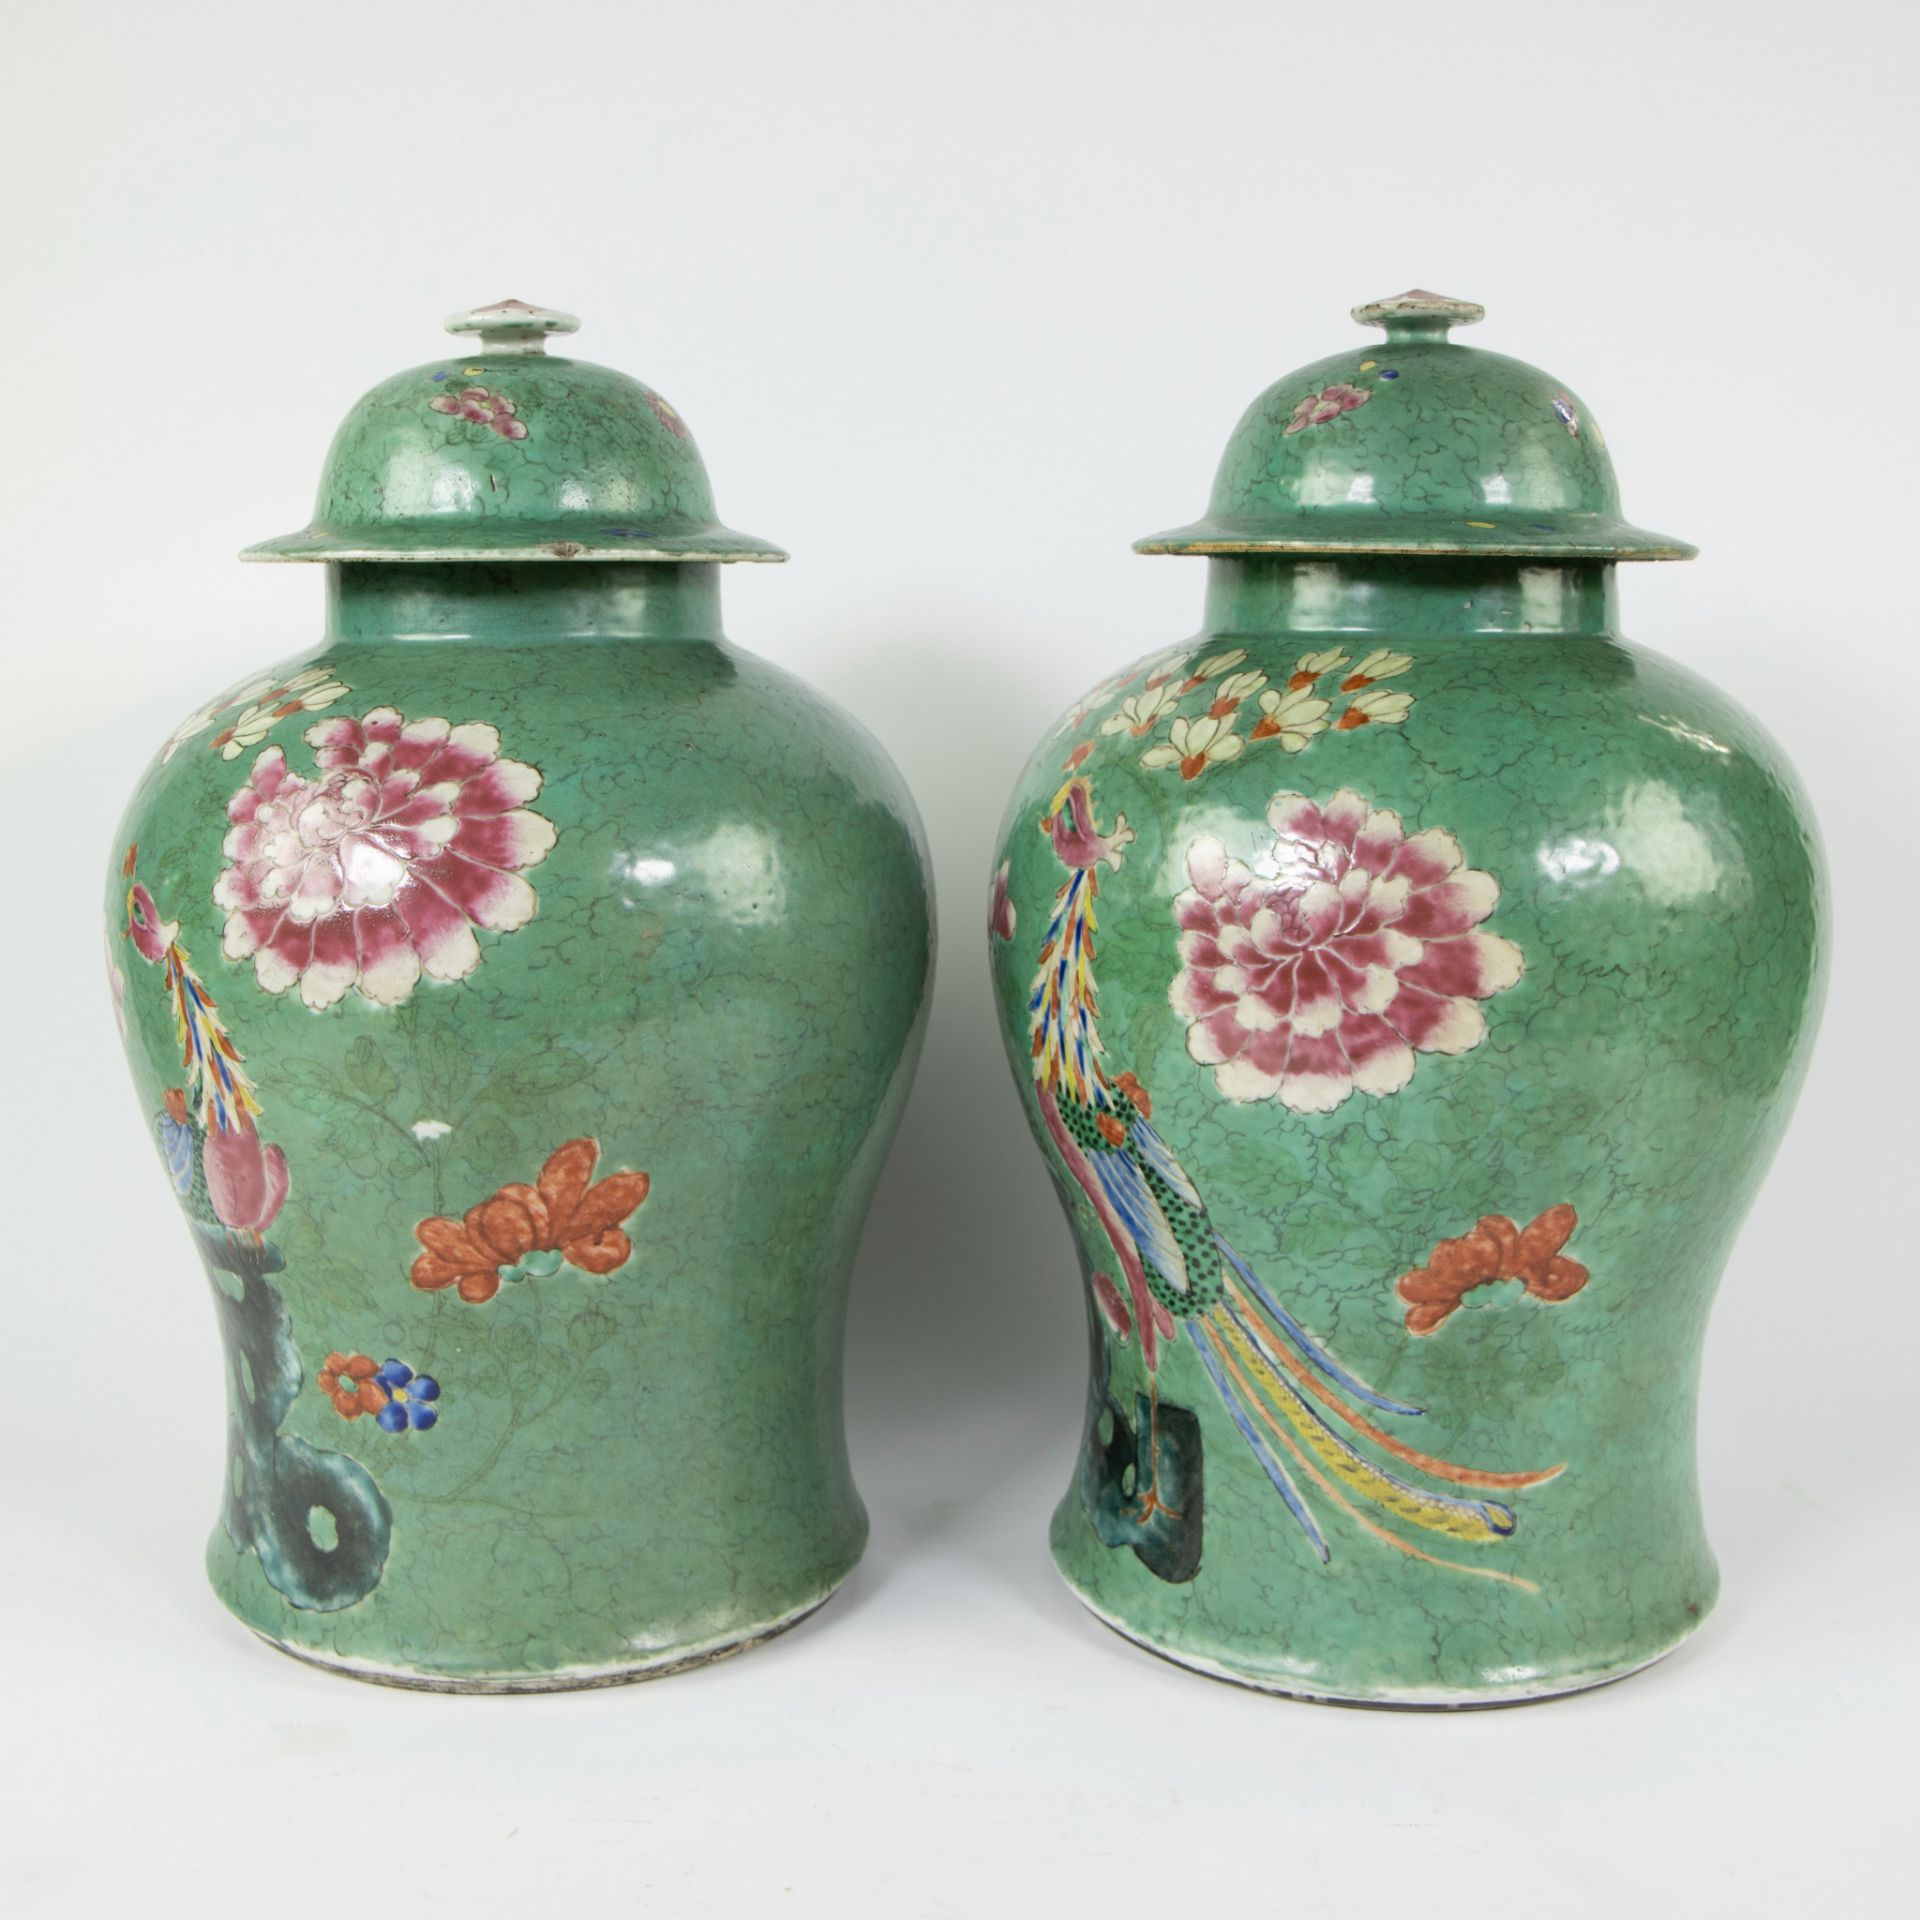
(379, 867)
(1353, 947)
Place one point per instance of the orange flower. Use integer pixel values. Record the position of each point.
(1495, 1250)
(347, 1380)
(566, 1216)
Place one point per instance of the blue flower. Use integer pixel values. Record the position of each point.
(410, 1398)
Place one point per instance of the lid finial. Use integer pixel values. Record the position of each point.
(1419, 315)
(512, 326)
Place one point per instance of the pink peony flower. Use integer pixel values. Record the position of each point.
(1328, 404)
(246, 1179)
(412, 834)
(1353, 948)
(484, 408)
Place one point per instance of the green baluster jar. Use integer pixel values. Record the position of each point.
(1407, 981)
(523, 988)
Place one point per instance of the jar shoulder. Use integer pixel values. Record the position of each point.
(682, 732)
(1292, 870)
(604, 698)
(640, 816)
(1628, 818)
(1560, 727)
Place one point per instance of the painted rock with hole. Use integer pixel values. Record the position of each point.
(522, 988)
(1407, 981)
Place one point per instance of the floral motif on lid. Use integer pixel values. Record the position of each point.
(484, 408)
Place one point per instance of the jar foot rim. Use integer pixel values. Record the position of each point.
(1399, 1700)
(563, 1680)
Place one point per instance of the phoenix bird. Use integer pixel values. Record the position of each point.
(1298, 1409)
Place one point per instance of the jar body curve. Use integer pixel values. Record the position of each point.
(523, 1009)
(1406, 1059)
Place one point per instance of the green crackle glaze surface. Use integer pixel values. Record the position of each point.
(1658, 871)
(723, 985)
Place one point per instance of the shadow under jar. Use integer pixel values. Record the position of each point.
(1407, 981)
(523, 989)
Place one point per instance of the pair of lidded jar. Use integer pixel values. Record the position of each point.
(1406, 982)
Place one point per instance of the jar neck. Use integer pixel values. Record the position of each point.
(519, 603)
(1408, 598)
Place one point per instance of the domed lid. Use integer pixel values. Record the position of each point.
(1419, 446)
(506, 452)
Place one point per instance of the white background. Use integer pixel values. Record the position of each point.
(958, 301)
